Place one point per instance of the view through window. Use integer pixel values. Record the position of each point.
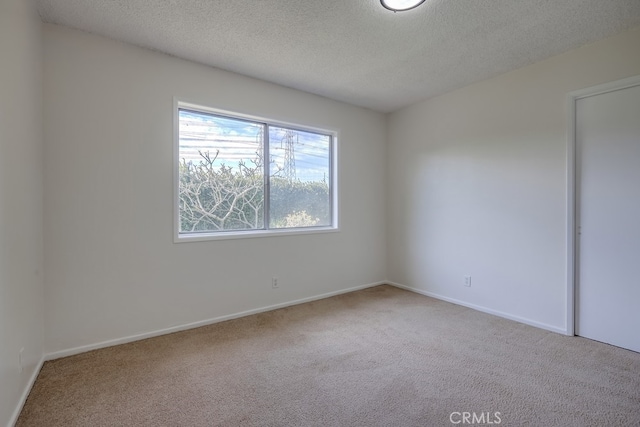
(236, 174)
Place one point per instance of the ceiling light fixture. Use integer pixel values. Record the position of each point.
(401, 5)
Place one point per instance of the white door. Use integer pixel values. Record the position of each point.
(608, 216)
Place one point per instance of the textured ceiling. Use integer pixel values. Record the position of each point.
(354, 50)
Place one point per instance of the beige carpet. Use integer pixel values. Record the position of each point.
(377, 357)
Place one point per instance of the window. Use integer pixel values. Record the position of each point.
(238, 176)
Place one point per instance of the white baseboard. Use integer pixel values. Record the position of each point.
(483, 309)
(25, 393)
(178, 328)
(131, 338)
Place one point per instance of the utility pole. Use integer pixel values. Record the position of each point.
(289, 140)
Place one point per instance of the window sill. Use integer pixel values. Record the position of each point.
(250, 234)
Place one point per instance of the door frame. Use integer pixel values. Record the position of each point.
(572, 190)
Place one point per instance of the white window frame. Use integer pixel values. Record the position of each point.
(252, 233)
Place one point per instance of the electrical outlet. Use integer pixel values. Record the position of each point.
(467, 281)
(20, 359)
(274, 282)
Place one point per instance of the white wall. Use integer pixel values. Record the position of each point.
(477, 185)
(21, 292)
(112, 267)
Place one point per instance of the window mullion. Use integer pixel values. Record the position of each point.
(267, 183)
